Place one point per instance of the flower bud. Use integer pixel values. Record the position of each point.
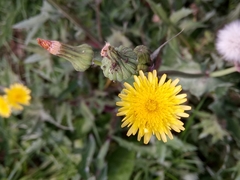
(118, 63)
(143, 57)
(80, 56)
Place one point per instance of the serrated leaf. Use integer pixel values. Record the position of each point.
(210, 126)
(40, 113)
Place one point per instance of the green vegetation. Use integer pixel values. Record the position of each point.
(71, 131)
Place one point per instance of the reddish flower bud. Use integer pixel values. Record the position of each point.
(51, 46)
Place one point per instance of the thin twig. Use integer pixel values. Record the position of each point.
(97, 62)
(75, 21)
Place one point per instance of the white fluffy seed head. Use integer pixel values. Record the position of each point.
(228, 42)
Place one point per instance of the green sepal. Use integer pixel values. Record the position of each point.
(80, 56)
(119, 64)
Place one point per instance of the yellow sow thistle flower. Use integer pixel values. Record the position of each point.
(5, 109)
(17, 95)
(152, 107)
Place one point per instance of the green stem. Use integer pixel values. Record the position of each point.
(97, 62)
(199, 75)
(223, 72)
(182, 74)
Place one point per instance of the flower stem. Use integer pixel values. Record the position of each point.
(199, 75)
(223, 72)
(97, 62)
(182, 74)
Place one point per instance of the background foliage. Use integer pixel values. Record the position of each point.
(71, 131)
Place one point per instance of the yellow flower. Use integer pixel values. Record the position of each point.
(152, 107)
(5, 110)
(17, 95)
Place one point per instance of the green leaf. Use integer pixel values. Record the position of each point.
(87, 157)
(158, 9)
(35, 146)
(204, 84)
(210, 126)
(88, 117)
(32, 22)
(34, 58)
(118, 38)
(150, 150)
(102, 154)
(236, 169)
(177, 144)
(121, 164)
(178, 15)
(189, 26)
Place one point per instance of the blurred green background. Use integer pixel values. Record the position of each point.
(70, 130)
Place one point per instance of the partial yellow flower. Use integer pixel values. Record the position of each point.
(17, 95)
(5, 110)
(152, 107)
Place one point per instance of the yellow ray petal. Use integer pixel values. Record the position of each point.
(152, 107)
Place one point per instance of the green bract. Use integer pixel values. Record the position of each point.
(80, 56)
(143, 57)
(120, 63)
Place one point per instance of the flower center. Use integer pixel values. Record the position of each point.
(18, 96)
(151, 105)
